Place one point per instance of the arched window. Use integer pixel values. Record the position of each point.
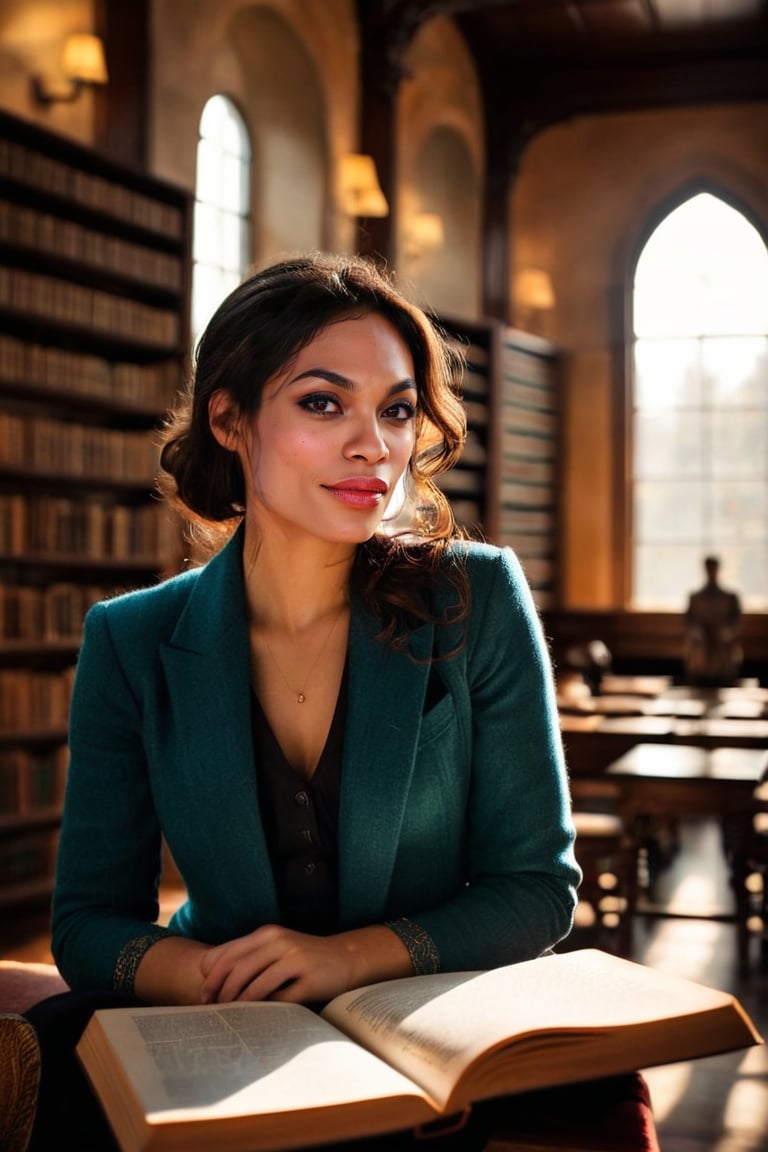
(700, 406)
(221, 233)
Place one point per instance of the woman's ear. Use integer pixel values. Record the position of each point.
(224, 420)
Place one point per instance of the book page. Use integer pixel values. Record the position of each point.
(555, 1011)
(242, 1059)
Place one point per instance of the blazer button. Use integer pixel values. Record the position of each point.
(302, 799)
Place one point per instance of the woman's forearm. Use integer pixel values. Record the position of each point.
(375, 953)
(169, 972)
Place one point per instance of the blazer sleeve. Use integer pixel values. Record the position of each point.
(105, 902)
(521, 873)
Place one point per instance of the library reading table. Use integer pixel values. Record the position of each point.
(678, 781)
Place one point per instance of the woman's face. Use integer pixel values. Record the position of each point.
(333, 435)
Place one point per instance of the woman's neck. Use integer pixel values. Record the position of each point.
(291, 585)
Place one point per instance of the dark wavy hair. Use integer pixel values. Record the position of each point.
(255, 333)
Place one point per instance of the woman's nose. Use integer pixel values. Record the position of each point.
(367, 443)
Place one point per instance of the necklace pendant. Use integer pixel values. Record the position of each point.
(300, 698)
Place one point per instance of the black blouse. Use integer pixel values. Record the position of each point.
(301, 820)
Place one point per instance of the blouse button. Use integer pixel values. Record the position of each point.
(309, 868)
(302, 799)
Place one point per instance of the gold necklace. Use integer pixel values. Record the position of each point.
(300, 693)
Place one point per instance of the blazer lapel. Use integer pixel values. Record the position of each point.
(207, 666)
(386, 701)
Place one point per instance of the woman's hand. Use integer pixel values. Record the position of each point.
(275, 963)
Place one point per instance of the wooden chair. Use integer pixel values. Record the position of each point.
(598, 850)
(755, 879)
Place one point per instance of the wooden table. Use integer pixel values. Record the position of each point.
(635, 685)
(593, 742)
(727, 732)
(680, 780)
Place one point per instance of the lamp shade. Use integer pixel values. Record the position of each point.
(360, 189)
(533, 288)
(83, 59)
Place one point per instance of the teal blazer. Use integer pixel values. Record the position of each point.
(458, 819)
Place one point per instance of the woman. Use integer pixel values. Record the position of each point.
(345, 732)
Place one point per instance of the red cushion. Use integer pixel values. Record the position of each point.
(22, 984)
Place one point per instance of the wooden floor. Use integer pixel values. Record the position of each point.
(719, 1104)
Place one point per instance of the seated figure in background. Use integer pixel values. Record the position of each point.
(713, 651)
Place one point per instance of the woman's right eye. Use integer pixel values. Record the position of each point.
(323, 403)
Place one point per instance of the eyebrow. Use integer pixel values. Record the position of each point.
(349, 385)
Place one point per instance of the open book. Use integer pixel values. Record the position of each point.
(242, 1077)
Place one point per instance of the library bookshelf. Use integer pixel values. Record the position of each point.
(94, 324)
(505, 487)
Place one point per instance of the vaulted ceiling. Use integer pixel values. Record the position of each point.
(542, 60)
(585, 29)
(545, 61)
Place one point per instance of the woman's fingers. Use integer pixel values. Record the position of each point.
(275, 962)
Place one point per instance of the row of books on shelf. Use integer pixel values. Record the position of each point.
(526, 521)
(44, 366)
(474, 454)
(468, 513)
(66, 303)
(32, 780)
(517, 494)
(473, 354)
(524, 365)
(523, 444)
(539, 569)
(26, 165)
(33, 699)
(462, 482)
(516, 418)
(527, 470)
(54, 236)
(523, 395)
(474, 383)
(475, 377)
(477, 413)
(54, 612)
(57, 526)
(77, 449)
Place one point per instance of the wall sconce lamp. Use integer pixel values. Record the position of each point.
(424, 233)
(82, 62)
(360, 189)
(533, 289)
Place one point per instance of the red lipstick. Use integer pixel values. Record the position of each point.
(358, 491)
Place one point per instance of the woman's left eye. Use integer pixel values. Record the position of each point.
(403, 410)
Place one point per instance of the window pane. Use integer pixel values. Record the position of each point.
(669, 444)
(700, 404)
(738, 443)
(206, 176)
(736, 370)
(658, 507)
(667, 373)
(704, 270)
(748, 572)
(666, 573)
(740, 511)
(211, 286)
(221, 229)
